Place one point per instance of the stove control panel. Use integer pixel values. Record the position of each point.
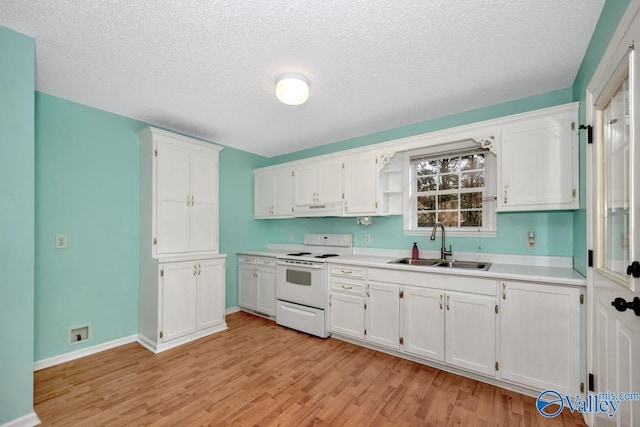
(343, 240)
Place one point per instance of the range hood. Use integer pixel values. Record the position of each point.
(318, 209)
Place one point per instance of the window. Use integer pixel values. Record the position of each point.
(452, 188)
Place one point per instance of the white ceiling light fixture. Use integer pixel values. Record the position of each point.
(292, 89)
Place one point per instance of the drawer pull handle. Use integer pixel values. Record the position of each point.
(346, 271)
(347, 287)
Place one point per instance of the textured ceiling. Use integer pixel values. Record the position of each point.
(208, 68)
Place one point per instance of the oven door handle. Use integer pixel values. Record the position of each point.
(301, 266)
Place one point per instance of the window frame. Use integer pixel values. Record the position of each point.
(453, 149)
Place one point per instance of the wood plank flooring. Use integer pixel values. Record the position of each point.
(260, 374)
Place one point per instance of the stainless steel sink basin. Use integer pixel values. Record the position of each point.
(470, 265)
(420, 261)
(431, 262)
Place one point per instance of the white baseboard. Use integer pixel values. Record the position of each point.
(28, 420)
(67, 357)
(232, 310)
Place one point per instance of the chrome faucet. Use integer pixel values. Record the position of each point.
(443, 251)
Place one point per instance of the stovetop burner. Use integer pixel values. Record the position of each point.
(326, 255)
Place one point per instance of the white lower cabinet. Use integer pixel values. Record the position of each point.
(540, 336)
(383, 314)
(257, 284)
(470, 332)
(346, 315)
(423, 322)
(181, 301)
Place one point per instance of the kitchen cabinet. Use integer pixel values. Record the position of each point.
(470, 332)
(346, 301)
(318, 182)
(360, 184)
(383, 314)
(181, 301)
(178, 194)
(273, 193)
(540, 336)
(538, 161)
(423, 322)
(182, 276)
(257, 284)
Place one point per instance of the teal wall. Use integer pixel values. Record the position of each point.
(554, 230)
(607, 23)
(16, 224)
(87, 188)
(87, 185)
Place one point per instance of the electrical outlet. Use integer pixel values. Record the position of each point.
(531, 240)
(79, 334)
(367, 238)
(61, 241)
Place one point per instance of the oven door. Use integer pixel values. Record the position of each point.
(301, 284)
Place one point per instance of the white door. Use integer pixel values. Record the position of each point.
(178, 293)
(263, 194)
(470, 332)
(247, 286)
(383, 314)
(172, 198)
(540, 336)
(210, 293)
(423, 322)
(283, 192)
(305, 181)
(204, 201)
(267, 290)
(614, 227)
(360, 185)
(346, 315)
(329, 183)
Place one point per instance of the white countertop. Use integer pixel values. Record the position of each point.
(558, 275)
(501, 271)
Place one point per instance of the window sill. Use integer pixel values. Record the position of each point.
(455, 233)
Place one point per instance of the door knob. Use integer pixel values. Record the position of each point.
(621, 304)
(634, 269)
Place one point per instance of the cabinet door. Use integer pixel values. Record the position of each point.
(305, 191)
(204, 201)
(266, 290)
(210, 293)
(346, 315)
(360, 182)
(383, 314)
(178, 297)
(470, 332)
(538, 164)
(283, 193)
(172, 198)
(423, 322)
(329, 185)
(247, 286)
(540, 336)
(263, 194)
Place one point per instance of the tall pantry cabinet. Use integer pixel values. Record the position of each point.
(182, 273)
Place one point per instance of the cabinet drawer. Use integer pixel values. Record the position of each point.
(242, 259)
(355, 287)
(347, 271)
(266, 261)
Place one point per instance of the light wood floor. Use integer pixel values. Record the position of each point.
(260, 374)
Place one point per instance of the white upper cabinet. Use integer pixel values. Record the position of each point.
(273, 193)
(538, 161)
(360, 184)
(317, 183)
(179, 194)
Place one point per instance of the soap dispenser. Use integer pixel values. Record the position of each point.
(415, 254)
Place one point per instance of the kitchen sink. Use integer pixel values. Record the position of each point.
(470, 265)
(444, 263)
(420, 261)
